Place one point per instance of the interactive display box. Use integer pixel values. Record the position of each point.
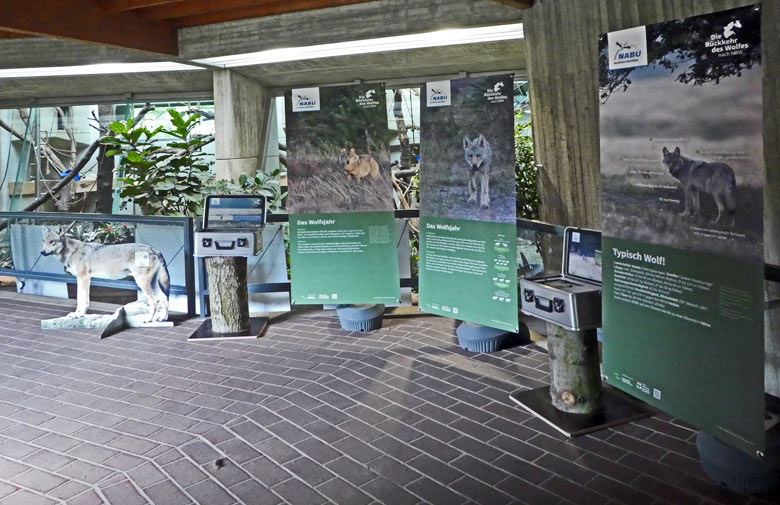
(572, 299)
(232, 226)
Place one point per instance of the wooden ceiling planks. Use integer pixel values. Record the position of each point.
(261, 9)
(146, 25)
(87, 21)
(127, 5)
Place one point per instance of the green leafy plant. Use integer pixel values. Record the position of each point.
(164, 176)
(525, 170)
(266, 184)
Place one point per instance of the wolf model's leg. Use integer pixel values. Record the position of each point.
(145, 283)
(485, 196)
(82, 296)
(695, 196)
(160, 300)
(472, 187)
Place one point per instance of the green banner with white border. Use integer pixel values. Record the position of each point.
(682, 218)
(468, 235)
(342, 228)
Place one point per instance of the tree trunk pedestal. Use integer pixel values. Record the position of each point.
(229, 302)
(576, 402)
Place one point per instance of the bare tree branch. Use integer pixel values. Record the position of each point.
(75, 170)
(404, 173)
(201, 112)
(65, 180)
(10, 130)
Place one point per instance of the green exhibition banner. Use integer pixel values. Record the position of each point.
(342, 224)
(682, 174)
(468, 234)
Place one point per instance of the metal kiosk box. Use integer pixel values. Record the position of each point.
(573, 299)
(232, 226)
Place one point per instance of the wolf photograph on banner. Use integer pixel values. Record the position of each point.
(682, 172)
(468, 147)
(467, 201)
(667, 152)
(339, 159)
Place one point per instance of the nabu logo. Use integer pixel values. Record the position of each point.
(728, 30)
(305, 101)
(627, 52)
(370, 94)
(497, 87)
(438, 93)
(627, 48)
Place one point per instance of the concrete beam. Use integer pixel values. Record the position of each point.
(241, 111)
(89, 88)
(43, 52)
(395, 65)
(381, 18)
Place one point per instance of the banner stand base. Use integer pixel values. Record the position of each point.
(615, 408)
(257, 327)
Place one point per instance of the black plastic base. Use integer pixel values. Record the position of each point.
(615, 408)
(257, 327)
(736, 470)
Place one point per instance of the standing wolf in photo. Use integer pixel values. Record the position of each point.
(696, 177)
(478, 158)
(85, 260)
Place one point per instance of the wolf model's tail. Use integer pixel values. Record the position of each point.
(163, 279)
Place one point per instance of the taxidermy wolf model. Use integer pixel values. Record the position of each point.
(85, 260)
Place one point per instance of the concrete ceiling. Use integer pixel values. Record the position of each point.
(337, 24)
(395, 65)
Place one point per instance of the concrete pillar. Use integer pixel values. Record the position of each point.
(241, 112)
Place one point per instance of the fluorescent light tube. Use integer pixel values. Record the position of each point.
(96, 69)
(378, 45)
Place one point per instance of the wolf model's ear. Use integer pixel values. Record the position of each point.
(352, 150)
(666, 151)
(60, 231)
(676, 151)
(481, 140)
(466, 141)
(343, 149)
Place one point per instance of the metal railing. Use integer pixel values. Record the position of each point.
(771, 273)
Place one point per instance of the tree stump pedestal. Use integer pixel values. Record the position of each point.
(229, 302)
(576, 402)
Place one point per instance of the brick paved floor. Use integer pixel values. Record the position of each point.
(309, 414)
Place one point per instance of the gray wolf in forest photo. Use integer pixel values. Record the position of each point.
(85, 260)
(478, 158)
(697, 177)
(358, 166)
